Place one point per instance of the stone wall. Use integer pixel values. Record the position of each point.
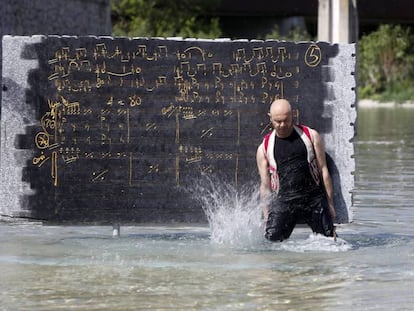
(57, 17)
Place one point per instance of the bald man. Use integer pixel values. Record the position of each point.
(295, 184)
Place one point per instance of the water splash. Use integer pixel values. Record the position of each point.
(316, 243)
(234, 215)
(235, 219)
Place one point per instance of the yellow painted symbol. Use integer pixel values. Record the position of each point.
(42, 140)
(313, 55)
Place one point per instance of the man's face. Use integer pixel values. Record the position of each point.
(282, 123)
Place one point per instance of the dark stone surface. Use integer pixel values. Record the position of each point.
(118, 130)
(57, 17)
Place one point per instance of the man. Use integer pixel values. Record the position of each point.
(295, 184)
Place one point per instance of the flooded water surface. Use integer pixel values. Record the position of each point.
(229, 265)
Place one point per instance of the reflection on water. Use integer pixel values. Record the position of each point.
(385, 168)
(229, 266)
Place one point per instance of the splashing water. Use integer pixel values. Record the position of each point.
(234, 215)
(316, 243)
(235, 219)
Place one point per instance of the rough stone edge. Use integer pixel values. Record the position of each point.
(344, 111)
(12, 160)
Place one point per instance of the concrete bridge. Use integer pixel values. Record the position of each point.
(329, 20)
(338, 20)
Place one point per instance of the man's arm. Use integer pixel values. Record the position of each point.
(326, 177)
(265, 188)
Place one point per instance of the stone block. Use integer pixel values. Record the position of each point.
(101, 130)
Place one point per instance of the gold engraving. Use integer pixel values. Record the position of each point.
(238, 127)
(260, 68)
(151, 126)
(192, 154)
(70, 108)
(219, 97)
(207, 169)
(42, 140)
(54, 169)
(99, 176)
(168, 111)
(204, 87)
(313, 55)
(201, 68)
(177, 128)
(39, 161)
(100, 51)
(187, 113)
(240, 54)
(208, 132)
(117, 52)
(134, 101)
(236, 172)
(280, 72)
(153, 169)
(130, 168)
(188, 52)
(70, 159)
(105, 140)
(177, 170)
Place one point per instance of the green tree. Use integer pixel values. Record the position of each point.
(386, 61)
(295, 34)
(165, 18)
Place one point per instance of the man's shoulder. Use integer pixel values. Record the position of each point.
(304, 126)
(266, 139)
(306, 129)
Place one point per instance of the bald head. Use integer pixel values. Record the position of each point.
(281, 117)
(280, 106)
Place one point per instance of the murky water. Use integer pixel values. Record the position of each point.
(229, 266)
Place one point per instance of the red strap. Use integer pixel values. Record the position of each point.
(305, 129)
(266, 141)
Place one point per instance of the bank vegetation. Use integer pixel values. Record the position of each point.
(385, 56)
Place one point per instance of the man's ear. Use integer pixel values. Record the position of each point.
(269, 114)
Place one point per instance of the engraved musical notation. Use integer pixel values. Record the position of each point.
(108, 100)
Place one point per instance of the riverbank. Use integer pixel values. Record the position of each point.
(368, 103)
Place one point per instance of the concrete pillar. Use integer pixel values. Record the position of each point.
(337, 21)
(324, 20)
(354, 21)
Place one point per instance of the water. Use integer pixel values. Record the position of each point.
(229, 266)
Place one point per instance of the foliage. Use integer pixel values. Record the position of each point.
(386, 62)
(165, 18)
(295, 34)
(385, 56)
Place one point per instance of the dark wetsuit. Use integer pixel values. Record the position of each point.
(300, 199)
